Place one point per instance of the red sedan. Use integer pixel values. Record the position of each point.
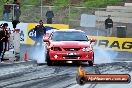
(69, 45)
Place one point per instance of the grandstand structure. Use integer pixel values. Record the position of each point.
(121, 16)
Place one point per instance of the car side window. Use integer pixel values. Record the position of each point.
(87, 37)
(50, 37)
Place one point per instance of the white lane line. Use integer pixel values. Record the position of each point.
(80, 86)
(123, 61)
(110, 62)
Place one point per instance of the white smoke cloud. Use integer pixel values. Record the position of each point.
(38, 53)
(104, 56)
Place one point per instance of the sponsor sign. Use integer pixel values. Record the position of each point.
(112, 43)
(23, 31)
(26, 31)
(32, 35)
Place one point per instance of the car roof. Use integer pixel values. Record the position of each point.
(50, 31)
(68, 30)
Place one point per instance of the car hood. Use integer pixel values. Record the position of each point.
(71, 43)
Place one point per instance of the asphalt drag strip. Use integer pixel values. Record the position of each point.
(64, 75)
(61, 76)
(115, 68)
(110, 68)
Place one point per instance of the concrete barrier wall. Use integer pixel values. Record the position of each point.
(113, 14)
(116, 19)
(119, 8)
(122, 14)
(26, 29)
(128, 4)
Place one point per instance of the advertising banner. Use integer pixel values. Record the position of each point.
(30, 30)
(108, 43)
(26, 30)
(112, 43)
(23, 30)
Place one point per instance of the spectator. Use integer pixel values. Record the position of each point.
(49, 16)
(6, 11)
(17, 11)
(40, 32)
(5, 36)
(1, 42)
(14, 23)
(109, 25)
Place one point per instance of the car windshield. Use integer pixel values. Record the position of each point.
(69, 36)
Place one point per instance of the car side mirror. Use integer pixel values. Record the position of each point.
(46, 40)
(93, 40)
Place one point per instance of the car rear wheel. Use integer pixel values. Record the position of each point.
(91, 62)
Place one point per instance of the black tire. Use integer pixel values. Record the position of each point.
(77, 62)
(49, 62)
(40, 64)
(91, 62)
(81, 80)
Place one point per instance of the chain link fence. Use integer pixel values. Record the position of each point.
(75, 17)
(72, 15)
(33, 13)
(121, 16)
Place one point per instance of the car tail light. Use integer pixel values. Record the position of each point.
(56, 48)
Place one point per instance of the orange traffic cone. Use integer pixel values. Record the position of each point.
(26, 56)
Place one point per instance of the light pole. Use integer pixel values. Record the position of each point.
(41, 9)
(13, 6)
(69, 11)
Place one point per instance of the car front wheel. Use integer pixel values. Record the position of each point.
(91, 62)
(49, 62)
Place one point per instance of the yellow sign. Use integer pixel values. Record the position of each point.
(112, 43)
(30, 36)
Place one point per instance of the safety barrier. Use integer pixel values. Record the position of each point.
(30, 28)
(26, 30)
(107, 43)
(112, 43)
